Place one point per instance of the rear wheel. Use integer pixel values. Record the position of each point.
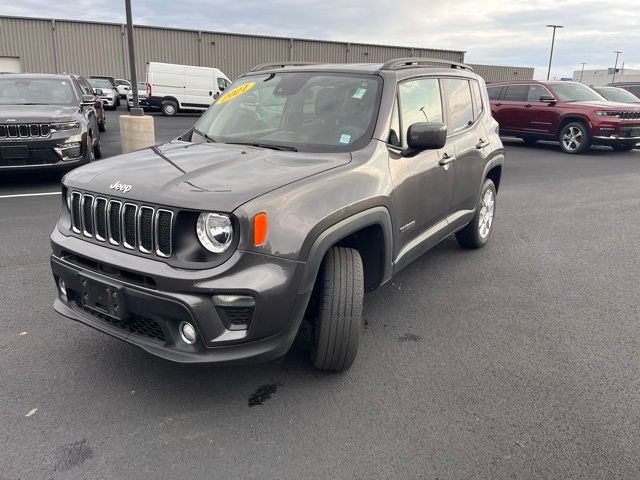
(623, 147)
(476, 234)
(574, 138)
(340, 290)
(169, 108)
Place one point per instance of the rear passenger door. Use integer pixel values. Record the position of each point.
(512, 114)
(422, 185)
(466, 131)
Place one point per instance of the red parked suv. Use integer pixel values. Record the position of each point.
(569, 112)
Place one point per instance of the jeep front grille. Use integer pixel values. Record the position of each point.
(630, 115)
(24, 130)
(135, 227)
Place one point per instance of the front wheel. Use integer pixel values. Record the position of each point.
(574, 138)
(97, 149)
(340, 291)
(476, 234)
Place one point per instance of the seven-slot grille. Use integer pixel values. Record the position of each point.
(25, 130)
(630, 115)
(141, 227)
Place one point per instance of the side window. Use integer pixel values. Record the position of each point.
(477, 100)
(460, 104)
(85, 87)
(222, 83)
(516, 93)
(420, 101)
(494, 92)
(537, 91)
(394, 131)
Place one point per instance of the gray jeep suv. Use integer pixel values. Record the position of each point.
(301, 187)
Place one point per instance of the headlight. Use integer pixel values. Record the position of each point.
(215, 231)
(608, 113)
(64, 126)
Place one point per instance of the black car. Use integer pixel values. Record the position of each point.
(46, 121)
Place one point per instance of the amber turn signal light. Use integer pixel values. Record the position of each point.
(260, 224)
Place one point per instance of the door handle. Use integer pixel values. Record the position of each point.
(446, 160)
(497, 104)
(482, 143)
(527, 105)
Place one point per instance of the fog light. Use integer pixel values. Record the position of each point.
(187, 333)
(63, 287)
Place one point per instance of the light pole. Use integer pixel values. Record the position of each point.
(582, 71)
(136, 110)
(615, 67)
(553, 39)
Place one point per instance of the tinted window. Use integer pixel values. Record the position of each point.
(460, 104)
(100, 83)
(36, 91)
(85, 87)
(420, 101)
(537, 91)
(494, 92)
(633, 89)
(516, 93)
(477, 100)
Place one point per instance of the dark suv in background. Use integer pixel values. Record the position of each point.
(568, 112)
(299, 188)
(47, 121)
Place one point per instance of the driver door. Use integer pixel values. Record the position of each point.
(423, 183)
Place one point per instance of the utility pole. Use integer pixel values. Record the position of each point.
(553, 40)
(582, 71)
(615, 67)
(136, 110)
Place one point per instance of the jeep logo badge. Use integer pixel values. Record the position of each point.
(120, 186)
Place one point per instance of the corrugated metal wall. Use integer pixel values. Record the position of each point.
(502, 73)
(55, 46)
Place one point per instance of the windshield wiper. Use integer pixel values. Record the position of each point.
(204, 135)
(285, 148)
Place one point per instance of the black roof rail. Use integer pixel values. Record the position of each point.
(266, 66)
(415, 62)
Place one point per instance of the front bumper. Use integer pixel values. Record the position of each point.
(40, 155)
(616, 134)
(157, 298)
(108, 102)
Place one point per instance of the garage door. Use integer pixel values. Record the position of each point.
(10, 64)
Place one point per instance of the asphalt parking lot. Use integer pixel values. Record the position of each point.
(516, 361)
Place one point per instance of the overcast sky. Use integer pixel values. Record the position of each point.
(490, 31)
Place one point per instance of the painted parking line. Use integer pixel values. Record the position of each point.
(18, 195)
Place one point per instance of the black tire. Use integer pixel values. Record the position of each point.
(340, 292)
(623, 147)
(117, 103)
(97, 149)
(101, 126)
(472, 235)
(128, 107)
(580, 143)
(169, 108)
(529, 140)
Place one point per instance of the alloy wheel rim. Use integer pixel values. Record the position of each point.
(572, 138)
(487, 206)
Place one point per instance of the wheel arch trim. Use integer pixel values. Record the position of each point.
(373, 216)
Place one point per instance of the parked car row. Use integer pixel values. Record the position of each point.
(571, 113)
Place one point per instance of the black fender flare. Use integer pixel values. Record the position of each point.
(373, 216)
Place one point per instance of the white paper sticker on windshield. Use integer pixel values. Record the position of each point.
(345, 138)
(359, 93)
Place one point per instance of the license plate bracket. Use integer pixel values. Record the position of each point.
(103, 297)
(14, 152)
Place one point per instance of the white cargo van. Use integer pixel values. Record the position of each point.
(172, 88)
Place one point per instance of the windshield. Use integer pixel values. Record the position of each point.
(618, 95)
(304, 111)
(100, 83)
(575, 92)
(25, 91)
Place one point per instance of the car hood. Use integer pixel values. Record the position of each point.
(201, 176)
(607, 105)
(36, 113)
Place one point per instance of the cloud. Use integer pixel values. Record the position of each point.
(490, 31)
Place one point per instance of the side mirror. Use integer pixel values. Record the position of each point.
(97, 91)
(88, 100)
(426, 136)
(548, 99)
